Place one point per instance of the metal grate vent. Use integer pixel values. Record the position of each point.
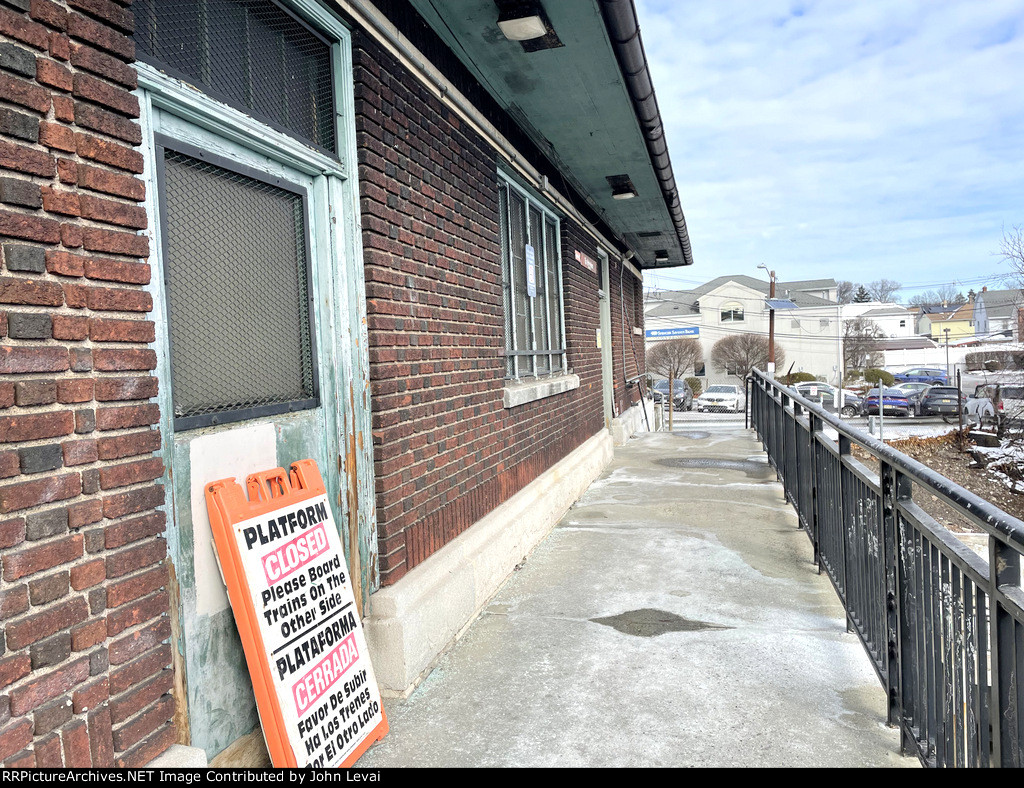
(251, 53)
(238, 295)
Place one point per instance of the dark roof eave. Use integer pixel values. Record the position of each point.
(624, 31)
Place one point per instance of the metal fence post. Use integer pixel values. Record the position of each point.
(814, 520)
(896, 487)
(844, 452)
(1004, 570)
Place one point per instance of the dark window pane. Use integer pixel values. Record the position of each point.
(251, 53)
(520, 301)
(506, 288)
(538, 302)
(237, 291)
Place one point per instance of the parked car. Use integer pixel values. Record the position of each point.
(894, 401)
(942, 401)
(825, 395)
(914, 392)
(682, 398)
(930, 375)
(722, 397)
(993, 402)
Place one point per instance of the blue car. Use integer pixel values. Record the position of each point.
(894, 401)
(930, 375)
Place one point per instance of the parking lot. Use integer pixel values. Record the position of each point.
(894, 427)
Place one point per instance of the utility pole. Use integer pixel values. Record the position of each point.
(771, 322)
(946, 331)
(839, 349)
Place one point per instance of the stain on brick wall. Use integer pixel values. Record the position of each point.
(446, 450)
(84, 671)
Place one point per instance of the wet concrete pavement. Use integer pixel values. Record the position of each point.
(674, 617)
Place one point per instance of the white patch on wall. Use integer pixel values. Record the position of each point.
(222, 455)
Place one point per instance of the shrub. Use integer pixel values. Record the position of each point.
(696, 386)
(876, 376)
(994, 360)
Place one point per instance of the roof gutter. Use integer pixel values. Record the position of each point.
(624, 30)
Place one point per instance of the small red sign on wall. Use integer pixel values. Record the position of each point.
(586, 261)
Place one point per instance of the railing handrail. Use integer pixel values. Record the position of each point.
(992, 519)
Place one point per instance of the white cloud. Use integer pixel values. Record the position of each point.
(848, 139)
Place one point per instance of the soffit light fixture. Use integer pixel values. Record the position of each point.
(525, 21)
(661, 256)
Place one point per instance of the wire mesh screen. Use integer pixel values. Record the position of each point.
(237, 290)
(252, 53)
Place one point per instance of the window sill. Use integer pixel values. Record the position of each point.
(516, 394)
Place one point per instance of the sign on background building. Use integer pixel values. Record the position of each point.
(282, 561)
(672, 333)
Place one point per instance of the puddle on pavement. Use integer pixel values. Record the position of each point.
(753, 470)
(648, 623)
(694, 435)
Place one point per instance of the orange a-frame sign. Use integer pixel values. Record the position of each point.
(285, 571)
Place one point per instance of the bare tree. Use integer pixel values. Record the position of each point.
(741, 354)
(845, 292)
(862, 343)
(673, 359)
(945, 294)
(884, 289)
(948, 294)
(927, 298)
(1012, 251)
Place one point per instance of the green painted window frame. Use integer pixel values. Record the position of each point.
(523, 356)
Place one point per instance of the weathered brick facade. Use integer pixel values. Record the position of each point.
(85, 676)
(446, 450)
(83, 596)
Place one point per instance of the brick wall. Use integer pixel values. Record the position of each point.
(84, 668)
(446, 450)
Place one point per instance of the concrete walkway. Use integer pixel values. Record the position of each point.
(673, 618)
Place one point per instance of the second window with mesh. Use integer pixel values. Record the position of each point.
(238, 292)
(532, 276)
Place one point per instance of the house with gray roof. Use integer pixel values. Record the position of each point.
(995, 311)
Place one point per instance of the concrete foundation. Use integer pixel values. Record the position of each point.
(632, 422)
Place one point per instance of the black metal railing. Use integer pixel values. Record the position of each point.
(944, 627)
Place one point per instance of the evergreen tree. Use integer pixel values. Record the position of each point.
(862, 296)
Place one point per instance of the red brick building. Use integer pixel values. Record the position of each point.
(238, 233)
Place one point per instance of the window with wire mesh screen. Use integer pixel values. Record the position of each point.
(534, 335)
(236, 266)
(253, 54)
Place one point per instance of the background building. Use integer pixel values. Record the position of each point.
(810, 333)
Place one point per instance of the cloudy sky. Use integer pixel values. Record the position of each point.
(854, 139)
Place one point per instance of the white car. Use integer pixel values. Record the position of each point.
(825, 395)
(984, 408)
(721, 397)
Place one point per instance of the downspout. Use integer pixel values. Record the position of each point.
(624, 31)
